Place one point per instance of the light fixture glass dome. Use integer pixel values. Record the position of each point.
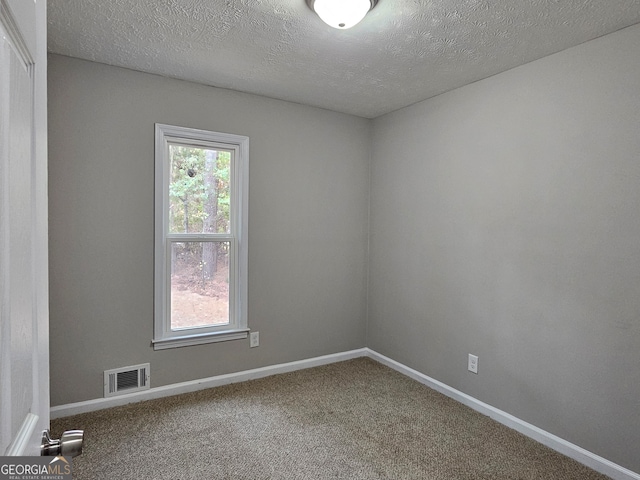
(341, 14)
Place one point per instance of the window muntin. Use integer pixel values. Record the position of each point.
(201, 241)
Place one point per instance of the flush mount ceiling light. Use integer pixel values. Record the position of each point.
(341, 14)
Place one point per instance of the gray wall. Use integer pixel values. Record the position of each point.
(505, 222)
(307, 226)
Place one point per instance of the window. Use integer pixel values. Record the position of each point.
(200, 237)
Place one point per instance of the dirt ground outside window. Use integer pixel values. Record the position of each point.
(196, 301)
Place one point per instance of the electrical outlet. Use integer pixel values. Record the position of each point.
(254, 339)
(473, 364)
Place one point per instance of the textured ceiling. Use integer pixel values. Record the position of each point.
(404, 51)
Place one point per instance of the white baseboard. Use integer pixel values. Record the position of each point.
(201, 384)
(575, 452)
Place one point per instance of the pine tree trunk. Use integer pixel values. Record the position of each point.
(209, 224)
(185, 213)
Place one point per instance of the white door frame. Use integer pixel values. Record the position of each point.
(25, 24)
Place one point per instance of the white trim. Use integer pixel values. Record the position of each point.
(200, 339)
(558, 444)
(13, 30)
(21, 440)
(202, 384)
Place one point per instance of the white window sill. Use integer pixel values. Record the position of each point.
(200, 339)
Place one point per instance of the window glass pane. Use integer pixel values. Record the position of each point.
(199, 190)
(199, 284)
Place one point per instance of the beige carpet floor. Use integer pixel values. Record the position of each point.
(350, 420)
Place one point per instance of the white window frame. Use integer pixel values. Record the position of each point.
(237, 328)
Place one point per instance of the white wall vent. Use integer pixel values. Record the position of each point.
(120, 381)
